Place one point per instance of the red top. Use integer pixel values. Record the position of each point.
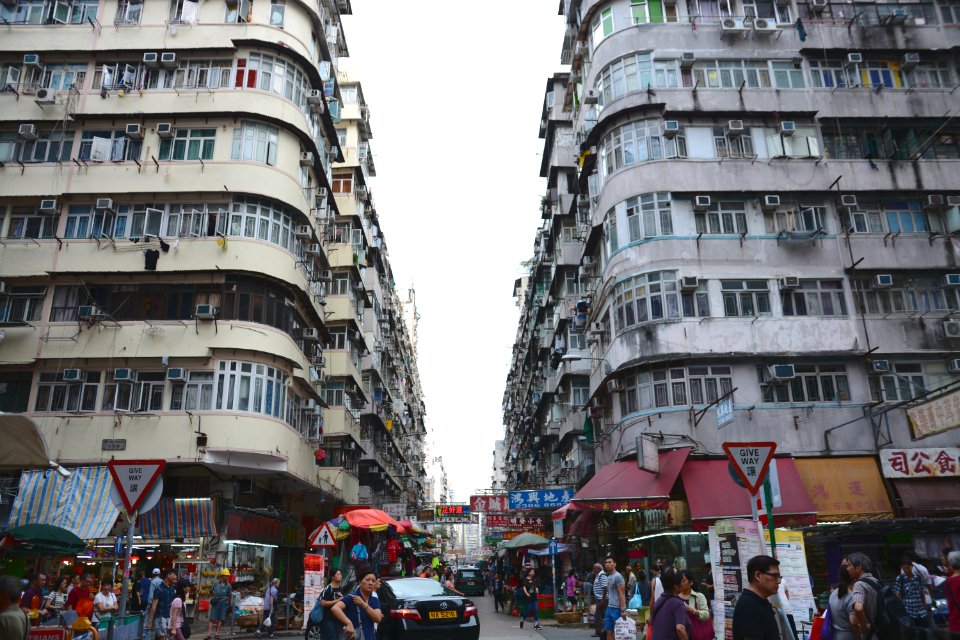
(951, 589)
(393, 549)
(76, 595)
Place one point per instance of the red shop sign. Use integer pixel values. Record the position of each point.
(252, 528)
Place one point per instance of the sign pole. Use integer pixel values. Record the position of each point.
(768, 501)
(125, 585)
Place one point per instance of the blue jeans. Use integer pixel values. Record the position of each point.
(530, 608)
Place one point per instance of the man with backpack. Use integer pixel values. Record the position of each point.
(878, 613)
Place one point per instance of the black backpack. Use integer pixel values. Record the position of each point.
(892, 618)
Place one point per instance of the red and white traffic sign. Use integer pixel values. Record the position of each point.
(134, 478)
(323, 536)
(751, 461)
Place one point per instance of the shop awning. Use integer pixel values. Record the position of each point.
(23, 444)
(712, 494)
(564, 511)
(845, 488)
(622, 485)
(79, 503)
(929, 496)
(582, 524)
(179, 518)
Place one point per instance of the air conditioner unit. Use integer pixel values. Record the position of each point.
(151, 60)
(731, 27)
(326, 275)
(591, 97)
(45, 96)
(734, 128)
(613, 386)
(49, 206)
(764, 26)
(205, 312)
(597, 327)
(304, 231)
(315, 96)
(953, 365)
(953, 201)
(817, 6)
(897, 16)
(176, 374)
(849, 202)
(27, 131)
(72, 375)
(124, 375)
(309, 334)
(165, 130)
(89, 312)
(788, 127)
(321, 195)
(770, 203)
(853, 59)
(168, 60)
(882, 281)
(934, 202)
(32, 60)
(951, 328)
(788, 282)
(362, 190)
(312, 249)
(782, 372)
(135, 131)
(104, 204)
(670, 128)
(701, 203)
(951, 280)
(306, 159)
(689, 283)
(583, 201)
(909, 61)
(687, 58)
(880, 366)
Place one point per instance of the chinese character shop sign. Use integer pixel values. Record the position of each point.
(540, 499)
(452, 513)
(499, 503)
(939, 415)
(940, 462)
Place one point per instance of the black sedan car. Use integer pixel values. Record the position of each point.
(469, 581)
(423, 608)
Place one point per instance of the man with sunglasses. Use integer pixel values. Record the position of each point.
(753, 616)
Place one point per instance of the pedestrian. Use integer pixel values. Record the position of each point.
(220, 598)
(668, 615)
(945, 567)
(269, 608)
(695, 603)
(616, 596)
(57, 598)
(498, 592)
(910, 588)
(631, 582)
(158, 618)
(600, 595)
(530, 599)
(74, 582)
(864, 595)
(105, 602)
(80, 592)
(177, 610)
(571, 589)
(449, 582)
(951, 589)
(841, 607)
(643, 588)
(656, 587)
(13, 621)
(331, 595)
(753, 616)
(34, 595)
(360, 610)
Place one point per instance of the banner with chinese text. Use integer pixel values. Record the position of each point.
(937, 462)
(939, 415)
(540, 499)
(499, 503)
(313, 569)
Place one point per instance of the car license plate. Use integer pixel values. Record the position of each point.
(439, 615)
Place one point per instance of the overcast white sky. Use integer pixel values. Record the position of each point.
(455, 92)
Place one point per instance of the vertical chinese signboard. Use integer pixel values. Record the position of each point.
(732, 544)
(313, 569)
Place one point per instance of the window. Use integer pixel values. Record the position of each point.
(652, 11)
(253, 218)
(211, 74)
(255, 141)
(25, 12)
(189, 144)
(674, 387)
(251, 387)
(61, 77)
(273, 74)
(104, 146)
(723, 218)
(145, 393)
(602, 26)
(801, 217)
(342, 183)
(631, 143)
(333, 394)
(707, 384)
(129, 12)
(579, 391)
(787, 75)
(26, 223)
(117, 75)
(66, 299)
(277, 8)
(908, 295)
(828, 74)
(22, 304)
(812, 383)
(576, 339)
(342, 136)
(950, 9)
(84, 222)
(745, 298)
(696, 303)
(802, 144)
(655, 296)
(54, 394)
(50, 146)
(648, 216)
(237, 11)
(732, 146)
(893, 217)
(610, 232)
(929, 74)
(815, 298)
(904, 382)
(728, 74)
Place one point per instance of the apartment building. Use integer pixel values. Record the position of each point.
(192, 267)
(755, 202)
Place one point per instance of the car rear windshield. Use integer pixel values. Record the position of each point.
(417, 588)
(469, 574)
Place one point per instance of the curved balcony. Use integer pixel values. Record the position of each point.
(347, 485)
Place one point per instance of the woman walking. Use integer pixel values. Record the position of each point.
(841, 607)
(498, 592)
(696, 607)
(331, 595)
(668, 615)
(177, 611)
(571, 587)
(530, 597)
(360, 611)
(56, 600)
(220, 599)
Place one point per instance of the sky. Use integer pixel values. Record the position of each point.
(455, 93)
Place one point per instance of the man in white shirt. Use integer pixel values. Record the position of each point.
(105, 602)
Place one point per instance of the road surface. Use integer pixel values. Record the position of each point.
(504, 627)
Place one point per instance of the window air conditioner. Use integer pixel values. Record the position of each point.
(135, 131)
(909, 61)
(309, 334)
(315, 96)
(168, 60)
(788, 128)
(770, 203)
(306, 159)
(882, 281)
(687, 58)
(701, 203)
(953, 201)
(734, 128)
(613, 386)
(670, 128)
(124, 375)
(817, 6)
(32, 60)
(933, 202)
(788, 282)
(304, 231)
(854, 59)
(205, 312)
(72, 375)
(104, 204)
(951, 328)
(953, 365)
(780, 372)
(151, 60)
(880, 366)
(176, 374)
(591, 97)
(27, 131)
(764, 26)
(951, 280)
(312, 249)
(848, 201)
(731, 26)
(45, 96)
(321, 194)
(89, 312)
(689, 283)
(165, 130)
(49, 206)
(597, 327)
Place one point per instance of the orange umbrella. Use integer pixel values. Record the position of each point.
(373, 519)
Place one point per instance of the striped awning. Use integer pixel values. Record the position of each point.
(79, 503)
(179, 518)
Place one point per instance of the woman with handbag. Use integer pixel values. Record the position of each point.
(839, 610)
(360, 611)
(696, 607)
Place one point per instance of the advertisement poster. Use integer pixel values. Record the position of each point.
(734, 542)
(796, 577)
(313, 570)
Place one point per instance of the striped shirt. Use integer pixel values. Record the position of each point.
(600, 585)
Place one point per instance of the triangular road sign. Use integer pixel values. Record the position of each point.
(751, 461)
(323, 536)
(134, 478)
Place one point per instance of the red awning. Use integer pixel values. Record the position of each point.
(564, 511)
(582, 524)
(622, 485)
(930, 497)
(712, 494)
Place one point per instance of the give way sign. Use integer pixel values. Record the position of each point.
(751, 461)
(134, 478)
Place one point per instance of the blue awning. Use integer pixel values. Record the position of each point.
(79, 503)
(179, 518)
